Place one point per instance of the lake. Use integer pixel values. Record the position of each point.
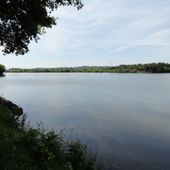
(124, 118)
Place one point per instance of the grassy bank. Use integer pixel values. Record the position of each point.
(25, 148)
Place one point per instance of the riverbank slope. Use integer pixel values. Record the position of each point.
(23, 147)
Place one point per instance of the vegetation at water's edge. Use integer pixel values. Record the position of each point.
(25, 148)
(135, 68)
(2, 69)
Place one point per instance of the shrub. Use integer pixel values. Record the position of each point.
(2, 69)
(25, 148)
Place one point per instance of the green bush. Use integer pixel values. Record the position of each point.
(2, 69)
(25, 148)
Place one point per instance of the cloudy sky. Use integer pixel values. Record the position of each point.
(102, 33)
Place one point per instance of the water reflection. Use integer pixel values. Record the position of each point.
(123, 117)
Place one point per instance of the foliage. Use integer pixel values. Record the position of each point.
(24, 20)
(143, 68)
(136, 68)
(25, 148)
(2, 69)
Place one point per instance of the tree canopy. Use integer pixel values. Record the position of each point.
(24, 20)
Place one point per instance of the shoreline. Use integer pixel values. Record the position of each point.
(133, 68)
(24, 147)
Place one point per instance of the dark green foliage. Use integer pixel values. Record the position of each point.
(25, 148)
(143, 68)
(24, 20)
(2, 69)
(135, 68)
(79, 157)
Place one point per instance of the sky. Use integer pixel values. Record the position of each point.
(102, 33)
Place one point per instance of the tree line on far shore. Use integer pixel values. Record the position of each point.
(133, 68)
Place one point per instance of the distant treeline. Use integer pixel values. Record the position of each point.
(134, 68)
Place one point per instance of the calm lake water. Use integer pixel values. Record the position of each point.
(124, 118)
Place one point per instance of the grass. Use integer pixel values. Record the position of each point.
(25, 148)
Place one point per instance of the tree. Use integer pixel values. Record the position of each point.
(2, 69)
(24, 20)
